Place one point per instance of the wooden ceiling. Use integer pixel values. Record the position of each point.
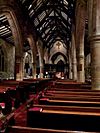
(5, 30)
(51, 19)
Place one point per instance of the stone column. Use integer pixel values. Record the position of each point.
(18, 68)
(70, 64)
(90, 8)
(73, 54)
(46, 56)
(34, 51)
(41, 71)
(32, 43)
(34, 70)
(40, 52)
(81, 16)
(95, 44)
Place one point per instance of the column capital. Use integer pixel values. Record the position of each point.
(94, 38)
(82, 2)
(18, 56)
(18, 59)
(81, 56)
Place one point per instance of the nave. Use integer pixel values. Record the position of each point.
(49, 66)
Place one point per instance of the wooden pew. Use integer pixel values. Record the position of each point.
(31, 86)
(67, 85)
(64, 118)
(24, 90)
(42, 83)
(9, 83)
(64, 89)
(65, 97)
(5, 121)
(88, 93)
(76, 109)
(70, 95)
(71, 85)
(66, 81)
(34, 85)
(69, 102)
(5, 100)
(18, 129)
(16, 93)
(18, 90)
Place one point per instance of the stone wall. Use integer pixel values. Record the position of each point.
(9, 60)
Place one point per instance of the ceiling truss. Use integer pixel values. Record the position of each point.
(52, 19)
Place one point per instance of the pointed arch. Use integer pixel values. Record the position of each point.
(14, 25)
(60, 58)
(57, 56)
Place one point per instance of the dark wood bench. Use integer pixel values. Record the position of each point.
(70, 97)
(89, 96)
(5, 121)
(9, 83)
(71, 84)
(69, 102)
(68, 85)
(42, 83)
(18, 90)
(89, 93)
(64, 89)
(5, 99)
(18, 129)
(87, 110)
(64, 118)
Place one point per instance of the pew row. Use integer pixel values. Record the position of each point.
(65, 97)
(92, 93)
(64, 118)
(70, 96)
(69, 102)
(18, 129)
(69, 89)
(19, 91)
(5, 121)
(87, 110)
(71, 85)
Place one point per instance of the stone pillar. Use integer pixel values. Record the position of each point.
(40, 52)
(34, 51)
(34, 70)
(32, 43)
(81, 16)
(18, 68)
(87, 67)
(90, 8)
(41, 71)
(46, 57)
(95, 44)
(70, 64)
(73, 54)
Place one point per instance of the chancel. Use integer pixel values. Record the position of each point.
(49, 66)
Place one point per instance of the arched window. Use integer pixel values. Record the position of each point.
(1, 60)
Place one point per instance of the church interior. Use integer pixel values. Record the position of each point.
(49, 66)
